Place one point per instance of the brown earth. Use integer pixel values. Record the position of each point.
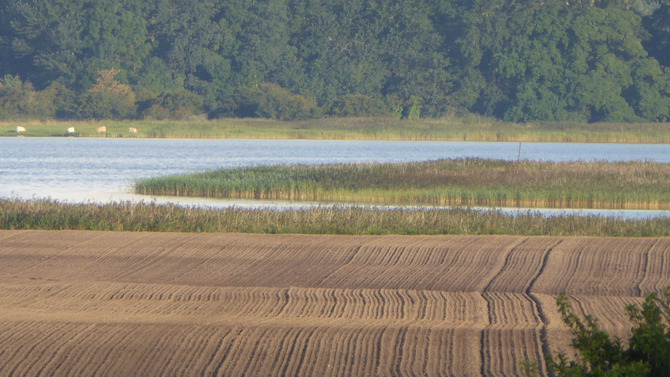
(75, 303)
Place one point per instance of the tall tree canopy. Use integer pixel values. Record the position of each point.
(522, 60)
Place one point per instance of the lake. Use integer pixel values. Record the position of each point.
(103, 170)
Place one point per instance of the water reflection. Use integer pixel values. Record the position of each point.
(286, 204)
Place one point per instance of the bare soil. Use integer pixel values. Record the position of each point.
(76, 303)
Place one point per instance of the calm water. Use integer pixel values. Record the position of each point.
(103, 170)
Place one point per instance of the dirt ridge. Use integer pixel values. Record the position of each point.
(96, 303)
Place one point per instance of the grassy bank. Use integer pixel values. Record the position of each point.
(471, 128)
(457, 182)
(124, 216)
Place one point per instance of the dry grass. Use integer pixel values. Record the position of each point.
(469, 128)
(125, 216)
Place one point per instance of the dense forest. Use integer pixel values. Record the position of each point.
(517, 60)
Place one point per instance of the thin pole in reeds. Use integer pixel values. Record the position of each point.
(518, 157)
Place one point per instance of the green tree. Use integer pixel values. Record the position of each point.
(522, 60)
(180, 104)
(658, 26)
(358, 105)
(340, 43)
(269, 101)
(265, 51)
(194, 42)
(529, 60)
(17, 98)
(44, 38)
(650, 340)
(114, 36)
(157, 77)
(108, 98)
(63, 100)
(71, 40)
(414, 53)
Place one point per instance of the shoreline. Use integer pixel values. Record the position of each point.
(366, 129)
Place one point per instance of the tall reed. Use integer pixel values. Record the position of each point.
(456, 182)
(126, 216)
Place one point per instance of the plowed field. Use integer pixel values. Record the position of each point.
(76, 303)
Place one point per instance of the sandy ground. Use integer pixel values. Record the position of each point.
(138, 304)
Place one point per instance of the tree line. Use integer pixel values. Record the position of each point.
(518, 60)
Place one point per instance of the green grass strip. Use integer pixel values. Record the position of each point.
(466, 128)
(455, 182)
(125, 216)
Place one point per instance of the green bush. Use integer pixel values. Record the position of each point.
(648, 353)
(106, 105)
(20, 100)
(56, 101)
(108, 99)
(242, 103)
(181, 104)
(16, 98)
(268, 101)
(358, 105)
(279, 103)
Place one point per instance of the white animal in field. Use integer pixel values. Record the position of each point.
(101, 129)
(70, 130)
(132, 130)
(20, 130)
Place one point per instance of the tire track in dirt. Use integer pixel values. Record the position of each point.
(505, 266)
(544, 338)
(657, 268)
(605, 266)
(644, 267)
(221, 354)
(302, 360)
(523, 264)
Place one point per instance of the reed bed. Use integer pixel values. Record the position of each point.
(125, 216)
(463, 128)
(454, 182)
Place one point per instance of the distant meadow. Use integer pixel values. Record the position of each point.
(465, 128)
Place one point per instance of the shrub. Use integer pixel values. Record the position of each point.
(279, 103)
(57, 101)
(243, 103)
(358, 105)
(268, 101)
(16, 98)
(414, 111)
(599, 355)
(108, 98)
(181, 104)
